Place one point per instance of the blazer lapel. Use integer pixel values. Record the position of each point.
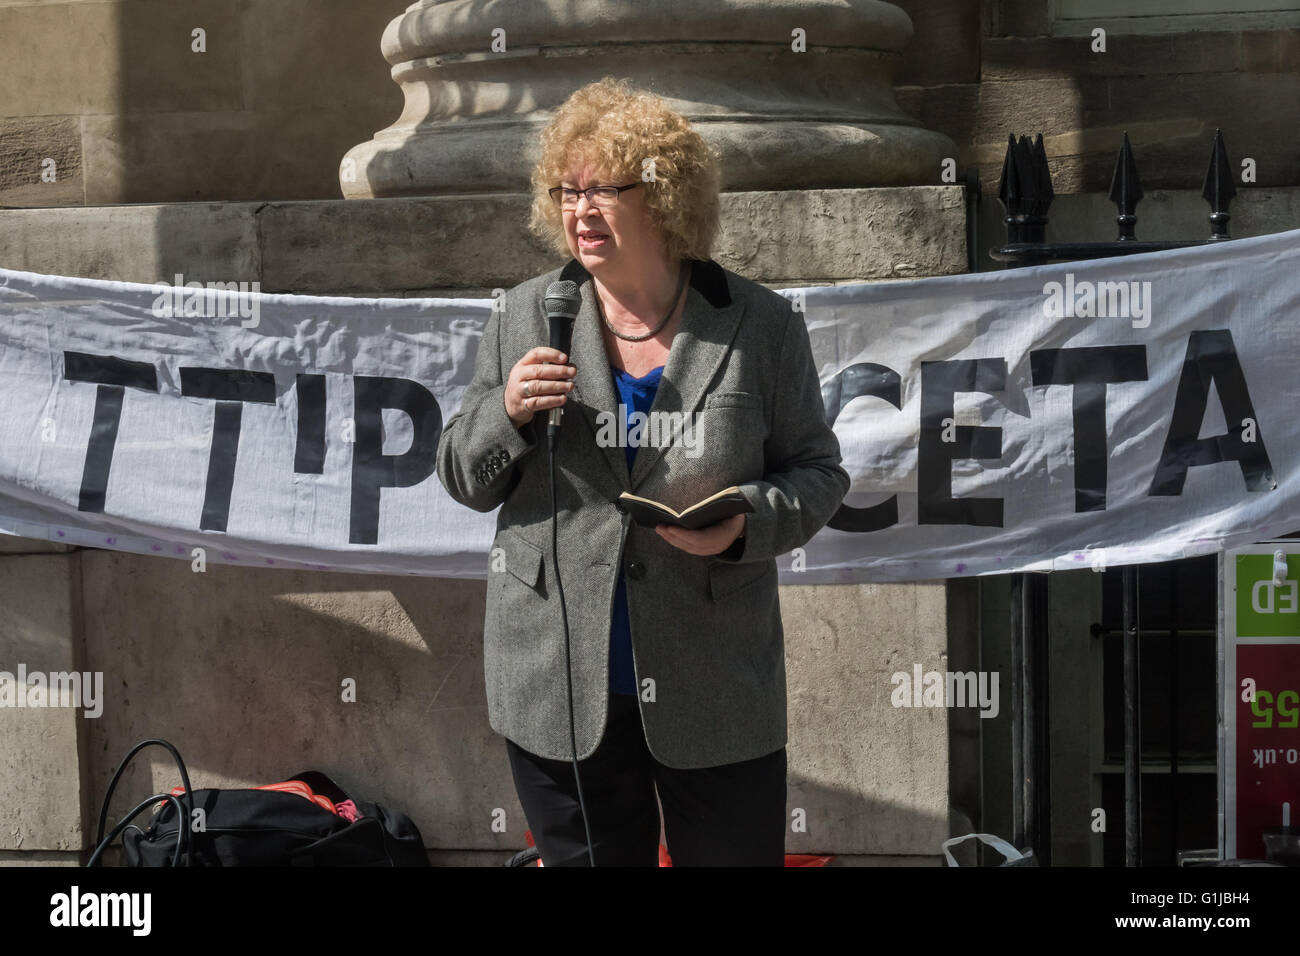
(593, 386)
(703, 338)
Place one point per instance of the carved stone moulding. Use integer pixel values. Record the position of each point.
(481, 79)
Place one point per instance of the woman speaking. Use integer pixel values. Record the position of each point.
(675, 645)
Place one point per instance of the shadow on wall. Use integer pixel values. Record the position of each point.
(245, 672)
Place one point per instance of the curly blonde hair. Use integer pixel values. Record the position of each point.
(617, 129)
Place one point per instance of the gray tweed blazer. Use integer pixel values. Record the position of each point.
(706, 631)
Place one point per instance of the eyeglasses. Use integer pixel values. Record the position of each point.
(599, 196)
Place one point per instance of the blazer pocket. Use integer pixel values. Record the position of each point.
(726, 579)
(733, 400)
(523, 559)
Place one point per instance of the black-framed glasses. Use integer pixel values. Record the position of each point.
(599, 196)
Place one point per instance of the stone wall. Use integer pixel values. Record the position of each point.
(113, 93)
(1021, 71)
(241, 669)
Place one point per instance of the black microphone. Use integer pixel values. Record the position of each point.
(562, 304)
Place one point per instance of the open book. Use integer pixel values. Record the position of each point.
(648, 513)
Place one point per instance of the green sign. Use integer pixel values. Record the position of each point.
(1265, 609)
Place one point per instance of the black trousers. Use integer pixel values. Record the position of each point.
(732, 815)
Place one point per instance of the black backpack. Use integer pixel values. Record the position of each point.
(258, 827)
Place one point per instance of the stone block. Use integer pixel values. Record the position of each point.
(41, 771)
(27, 147)
(203, 241)
(244, 671)
(871, 777)
(136, 52)
(477, 241)
(844, 234)
(1066, 58)
(1019, 18)
(1271, 51)
(12, 544)
(945, 46)
(316, 55)
(181, 156)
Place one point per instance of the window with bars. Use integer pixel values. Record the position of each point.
(1177, 614)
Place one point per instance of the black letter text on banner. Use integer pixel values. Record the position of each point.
(309, 456)
(939, 382)
(1211, 357)
(1089, 370)
(230, 388)
(113, 376)
(372, 470)
(877, 381)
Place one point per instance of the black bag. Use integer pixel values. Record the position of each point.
(258, 828)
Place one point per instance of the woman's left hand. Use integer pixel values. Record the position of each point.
(714, 539)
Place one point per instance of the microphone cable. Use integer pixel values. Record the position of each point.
(568, 665)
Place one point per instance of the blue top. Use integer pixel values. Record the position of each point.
(638, 394)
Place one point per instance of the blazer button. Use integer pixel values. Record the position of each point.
(635, 570)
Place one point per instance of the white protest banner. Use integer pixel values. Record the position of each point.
(1096, 413)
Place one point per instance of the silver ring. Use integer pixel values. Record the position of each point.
(528, 389)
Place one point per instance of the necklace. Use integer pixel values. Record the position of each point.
(681, 281)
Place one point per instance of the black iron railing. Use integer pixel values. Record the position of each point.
(1025, 192)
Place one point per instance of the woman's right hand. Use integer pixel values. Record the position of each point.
(539, 381)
